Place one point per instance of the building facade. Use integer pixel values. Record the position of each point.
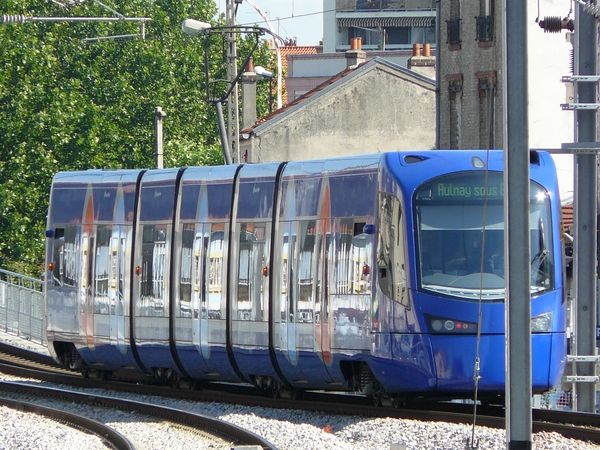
(381, 24)
(469, 74)
(370, 107)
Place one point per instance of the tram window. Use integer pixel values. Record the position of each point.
(153, 283)
(306, 272)
(102, 268)
(59, 233)
(251, 259)
(352, 254)
(185, 283)
(216, 269)
(65, 251)
(391, 267)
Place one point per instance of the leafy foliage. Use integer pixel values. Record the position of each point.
(70, 104)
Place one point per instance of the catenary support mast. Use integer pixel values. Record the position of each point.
(516, 235)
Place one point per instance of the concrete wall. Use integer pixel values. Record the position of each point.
(376, 109)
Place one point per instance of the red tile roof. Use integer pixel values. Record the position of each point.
(295, 50)
(567, 213)
(303, 97)
(291, 50)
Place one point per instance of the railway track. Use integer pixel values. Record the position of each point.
(218, 429)
(111, 437)
(581, 426)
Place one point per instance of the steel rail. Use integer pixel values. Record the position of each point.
(109, 435)
(582, 426)
(220, 428)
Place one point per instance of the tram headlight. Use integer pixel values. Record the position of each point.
(444, 325)
(542, 323)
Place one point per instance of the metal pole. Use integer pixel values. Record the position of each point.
(438, 42)
(516, 230)
(232, 106)
(223, 133)
(20, 18)
(586, 176)
(159, 116)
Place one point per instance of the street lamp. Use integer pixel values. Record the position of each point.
(261, 72)
(192, 27)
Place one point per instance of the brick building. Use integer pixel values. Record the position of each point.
(470, 69)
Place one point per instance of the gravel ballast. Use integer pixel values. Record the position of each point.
(286, 429)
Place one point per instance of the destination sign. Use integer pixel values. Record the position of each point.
(467, 191)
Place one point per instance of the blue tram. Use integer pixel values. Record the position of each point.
(363, 273)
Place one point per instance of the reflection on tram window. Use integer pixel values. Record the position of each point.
(185, 281)
(391, 264)
(102, 268)
(306, 272)
(252, 257)
(66, 247)
(353, 253)
(154, 265)
(216, 271)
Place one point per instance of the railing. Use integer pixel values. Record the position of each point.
(22, 309)
(383, 5)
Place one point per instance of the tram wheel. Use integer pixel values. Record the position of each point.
(196, 385)
(275, 390)
(296, 393)
(105, 375)
(377, 394)
(399, 401)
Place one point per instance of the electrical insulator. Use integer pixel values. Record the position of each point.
(572, 61)
(555, 24)
(13, 18)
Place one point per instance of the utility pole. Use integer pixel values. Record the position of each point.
(159, 116)
(233, 129)
(584, 354)
(586, 182)
(516, 220)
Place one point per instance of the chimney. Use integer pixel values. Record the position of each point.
(424, 65)
(249, 96)
(355, 56)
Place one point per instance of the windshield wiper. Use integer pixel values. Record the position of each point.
(539, 259)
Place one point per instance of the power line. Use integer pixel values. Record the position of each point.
(295, 16)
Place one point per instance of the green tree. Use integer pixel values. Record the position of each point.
(70, 104)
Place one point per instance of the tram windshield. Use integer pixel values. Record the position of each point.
(460, 226)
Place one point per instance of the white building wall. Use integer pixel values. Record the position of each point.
(379, 110)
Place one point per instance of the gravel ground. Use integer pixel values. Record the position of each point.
(286, 429)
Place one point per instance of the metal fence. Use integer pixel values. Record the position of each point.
(22, 310)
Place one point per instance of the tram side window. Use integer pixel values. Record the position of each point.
(252, 258)
(391, 264)
(306, 272)
(65, 256)
(353, 254)
(185, 283)
(216, 272)
(153, 270)
(102, 268)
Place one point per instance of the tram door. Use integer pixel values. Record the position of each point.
(199, 287)
(288, 303)
(86, 299)
(289, 280)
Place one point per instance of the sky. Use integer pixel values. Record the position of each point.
(548, 61)
(302, 19)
